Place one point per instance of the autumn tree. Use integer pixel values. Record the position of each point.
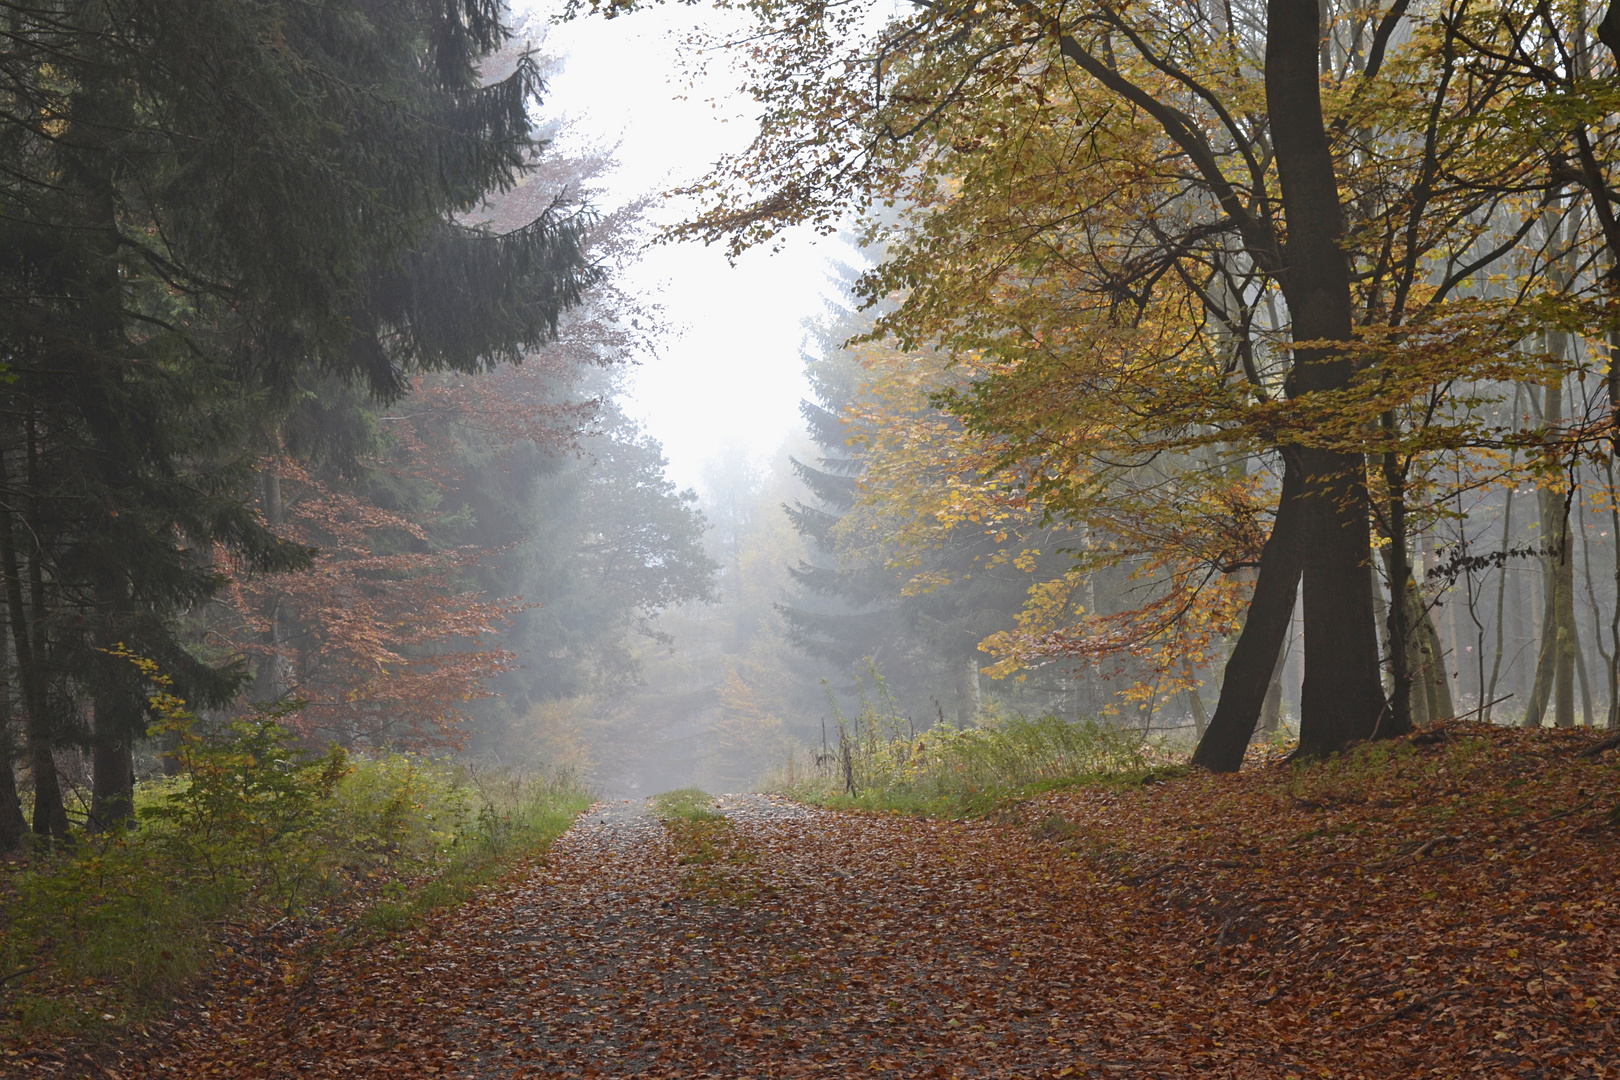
(1166, 181)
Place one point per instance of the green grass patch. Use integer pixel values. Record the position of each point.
(108, 933)
(686, 804)
(716, 863)
(970, 772)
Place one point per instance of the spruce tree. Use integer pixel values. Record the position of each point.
(204, 202)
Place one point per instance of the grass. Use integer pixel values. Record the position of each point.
(717, 864)
(111, 932)
(967, 772)
(685, 804)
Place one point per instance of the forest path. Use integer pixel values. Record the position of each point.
(799, 942)
(1257, 926)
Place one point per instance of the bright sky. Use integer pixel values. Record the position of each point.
(732, 376)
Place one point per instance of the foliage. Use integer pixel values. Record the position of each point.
(1085, 216)
(215, 212)
(254, 832)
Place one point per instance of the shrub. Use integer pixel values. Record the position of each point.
(255, 831)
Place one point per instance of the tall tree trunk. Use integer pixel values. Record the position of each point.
(1488, 696)
(50, 815)
(272, 677)
(1430, 674)
(1452, 662)
(1413, 663)
(91, 166)
(117, 716)
(112, 760)
(1436, 679)
(1271, 708)
(1614, 531)
(967, 690)
(1195, 704)
(13, 827)
(1555, 666)
(1248, 671)
(1397, 572)
(1585, 533)
(1586, 686)
(1341, 699)
(1380, 620)
(1522, 609)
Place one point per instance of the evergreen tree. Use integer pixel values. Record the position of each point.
(204, 203)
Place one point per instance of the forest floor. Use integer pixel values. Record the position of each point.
(1445, 907)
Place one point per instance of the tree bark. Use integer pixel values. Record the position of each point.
(50, 816)
(1271, 708)
(112, 763)
(1488, 696)
(1254, 657)
(967, 690)
(1341, 699)
(1195, 704)
(1397, 573)
(1436, 679)
(116, 716)
(13, 826)
(1555, 661)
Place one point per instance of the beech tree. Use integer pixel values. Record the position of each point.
(1209, 175)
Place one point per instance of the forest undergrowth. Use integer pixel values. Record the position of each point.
(879, 762)
(1441, 905)
(253, 842)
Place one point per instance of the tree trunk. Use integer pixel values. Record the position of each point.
(1416, 663)
(116, 718)
(50, 816)
(1523, 638)
(1381, 624)
(967, 690)
(13, 826)
(1341, 698)
(1614, 531)
(1429, 671)
(1271, 708)
(1555, 665)
(1488, 696)
(273, 675)
(1452, 663)
(1195, 704)
(1397, 573)
(1254, 657)
(112, 763)
(1436, 679)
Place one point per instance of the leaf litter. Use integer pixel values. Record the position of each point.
(1445, 906)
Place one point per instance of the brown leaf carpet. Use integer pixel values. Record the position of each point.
(1208, 926)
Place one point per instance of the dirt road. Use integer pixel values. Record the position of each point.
(789, 942)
